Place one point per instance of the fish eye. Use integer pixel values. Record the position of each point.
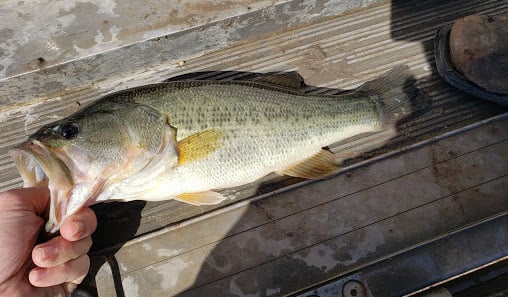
(68, 130)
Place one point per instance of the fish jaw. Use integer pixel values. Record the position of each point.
(39, 166)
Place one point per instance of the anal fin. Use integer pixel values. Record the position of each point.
(320, 165)
(201, 198)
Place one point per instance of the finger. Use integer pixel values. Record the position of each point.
(79, 225)
(58, 250)
(73, 271)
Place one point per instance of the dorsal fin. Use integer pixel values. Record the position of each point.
(287, 80)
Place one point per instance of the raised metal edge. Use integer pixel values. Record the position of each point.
(349, 286)
(432, 263)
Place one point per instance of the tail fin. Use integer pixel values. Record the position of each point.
(396, 92)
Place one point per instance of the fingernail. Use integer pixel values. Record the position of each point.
(38, 274)
(78, 229)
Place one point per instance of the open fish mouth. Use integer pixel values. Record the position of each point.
(38, 166)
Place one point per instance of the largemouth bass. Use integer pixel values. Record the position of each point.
(185, 140)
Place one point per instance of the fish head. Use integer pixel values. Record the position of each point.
(102, 153)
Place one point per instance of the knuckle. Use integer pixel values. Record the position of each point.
(64, 244)
(82, 264)
(87, 242)
(66, 268)
(76, 268)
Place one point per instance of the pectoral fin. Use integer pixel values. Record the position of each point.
(318, 166)
(201, 198)
(199, 145)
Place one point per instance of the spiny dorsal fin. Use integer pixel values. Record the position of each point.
(201, 198)
(199, 145)
(288, 80)
(318, 166)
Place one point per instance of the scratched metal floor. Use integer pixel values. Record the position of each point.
(242, 247)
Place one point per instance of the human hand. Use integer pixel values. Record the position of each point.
(52, 268)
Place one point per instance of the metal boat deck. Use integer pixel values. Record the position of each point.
(428, 207)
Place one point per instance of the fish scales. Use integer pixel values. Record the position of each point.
(236, 107)
(185, 140)
(265, 129)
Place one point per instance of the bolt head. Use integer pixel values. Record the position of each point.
(354, 288)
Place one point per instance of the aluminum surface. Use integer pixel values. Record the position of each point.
(446, 169)
(311, 233)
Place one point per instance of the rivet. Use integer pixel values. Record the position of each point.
(354, 288)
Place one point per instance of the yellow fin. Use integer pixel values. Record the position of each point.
(201, 198)
(318, 166)
(199, 145)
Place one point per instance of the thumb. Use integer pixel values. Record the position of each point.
(34, 199)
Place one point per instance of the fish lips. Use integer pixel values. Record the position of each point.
(39, 166)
